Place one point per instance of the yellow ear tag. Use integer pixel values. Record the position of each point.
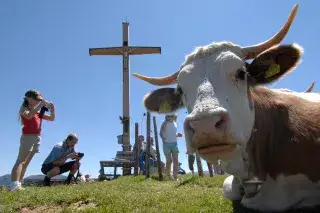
(273, 70)
(165, 107)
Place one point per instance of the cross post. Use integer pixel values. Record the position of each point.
(125, 50)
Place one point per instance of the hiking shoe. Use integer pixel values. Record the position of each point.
(46, 181)
(15, 187)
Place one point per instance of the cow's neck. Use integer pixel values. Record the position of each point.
(284, 136)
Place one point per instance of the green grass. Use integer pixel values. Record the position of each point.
(126, 194)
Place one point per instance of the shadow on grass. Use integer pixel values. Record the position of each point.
(238, 208)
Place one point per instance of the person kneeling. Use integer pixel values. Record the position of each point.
(55, 163)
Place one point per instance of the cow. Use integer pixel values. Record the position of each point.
(269, 135)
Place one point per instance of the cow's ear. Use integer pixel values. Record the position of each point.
(163, 100)
(274, 63)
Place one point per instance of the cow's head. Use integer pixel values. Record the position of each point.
(213, 84)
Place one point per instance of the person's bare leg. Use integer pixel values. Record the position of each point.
(53, 172)
(25, 165)
(175, 164)
(191, 159)
(210, 168)
(216, 167)
(16, 171)
(19, 164)
(73, 170)
(168, 164)
(56, 170)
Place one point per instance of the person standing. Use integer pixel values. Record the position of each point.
(87, 177)
(168, 134)
(153, 151)
(141, 150)
(31, 120)
(142, 144)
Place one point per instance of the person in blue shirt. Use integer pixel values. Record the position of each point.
(55, 163)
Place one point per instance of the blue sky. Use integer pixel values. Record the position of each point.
(44, 45)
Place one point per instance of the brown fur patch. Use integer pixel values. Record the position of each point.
(285, 135)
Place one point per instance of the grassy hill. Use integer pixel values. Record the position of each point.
(126, 194)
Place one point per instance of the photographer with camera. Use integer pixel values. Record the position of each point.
(31, 120)
(55, 163)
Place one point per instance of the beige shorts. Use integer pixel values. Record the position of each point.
(28, 143)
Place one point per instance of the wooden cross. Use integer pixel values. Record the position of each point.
(125, 50)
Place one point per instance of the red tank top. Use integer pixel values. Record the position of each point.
(32, 126)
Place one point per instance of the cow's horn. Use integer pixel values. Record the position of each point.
(159, 81)
(311, 87)
(253, 51)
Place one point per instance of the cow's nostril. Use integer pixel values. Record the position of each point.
(219, 123)
(207, 124)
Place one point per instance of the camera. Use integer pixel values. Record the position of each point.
(44, 108)
(42, 111)
(80, 154)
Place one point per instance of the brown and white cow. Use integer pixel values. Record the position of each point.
(270, 134)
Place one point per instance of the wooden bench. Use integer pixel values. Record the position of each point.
(122, 158)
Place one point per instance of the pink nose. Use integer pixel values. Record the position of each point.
(210, 124)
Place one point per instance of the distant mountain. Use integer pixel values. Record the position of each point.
(5, 180)
(41, 177)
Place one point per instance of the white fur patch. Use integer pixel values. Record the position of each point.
(232, 188)
(283, 193)
(235, 164)
(314, 97)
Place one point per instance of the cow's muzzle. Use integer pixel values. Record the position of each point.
(208, 131)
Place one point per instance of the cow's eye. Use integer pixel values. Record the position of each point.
(241, 74)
